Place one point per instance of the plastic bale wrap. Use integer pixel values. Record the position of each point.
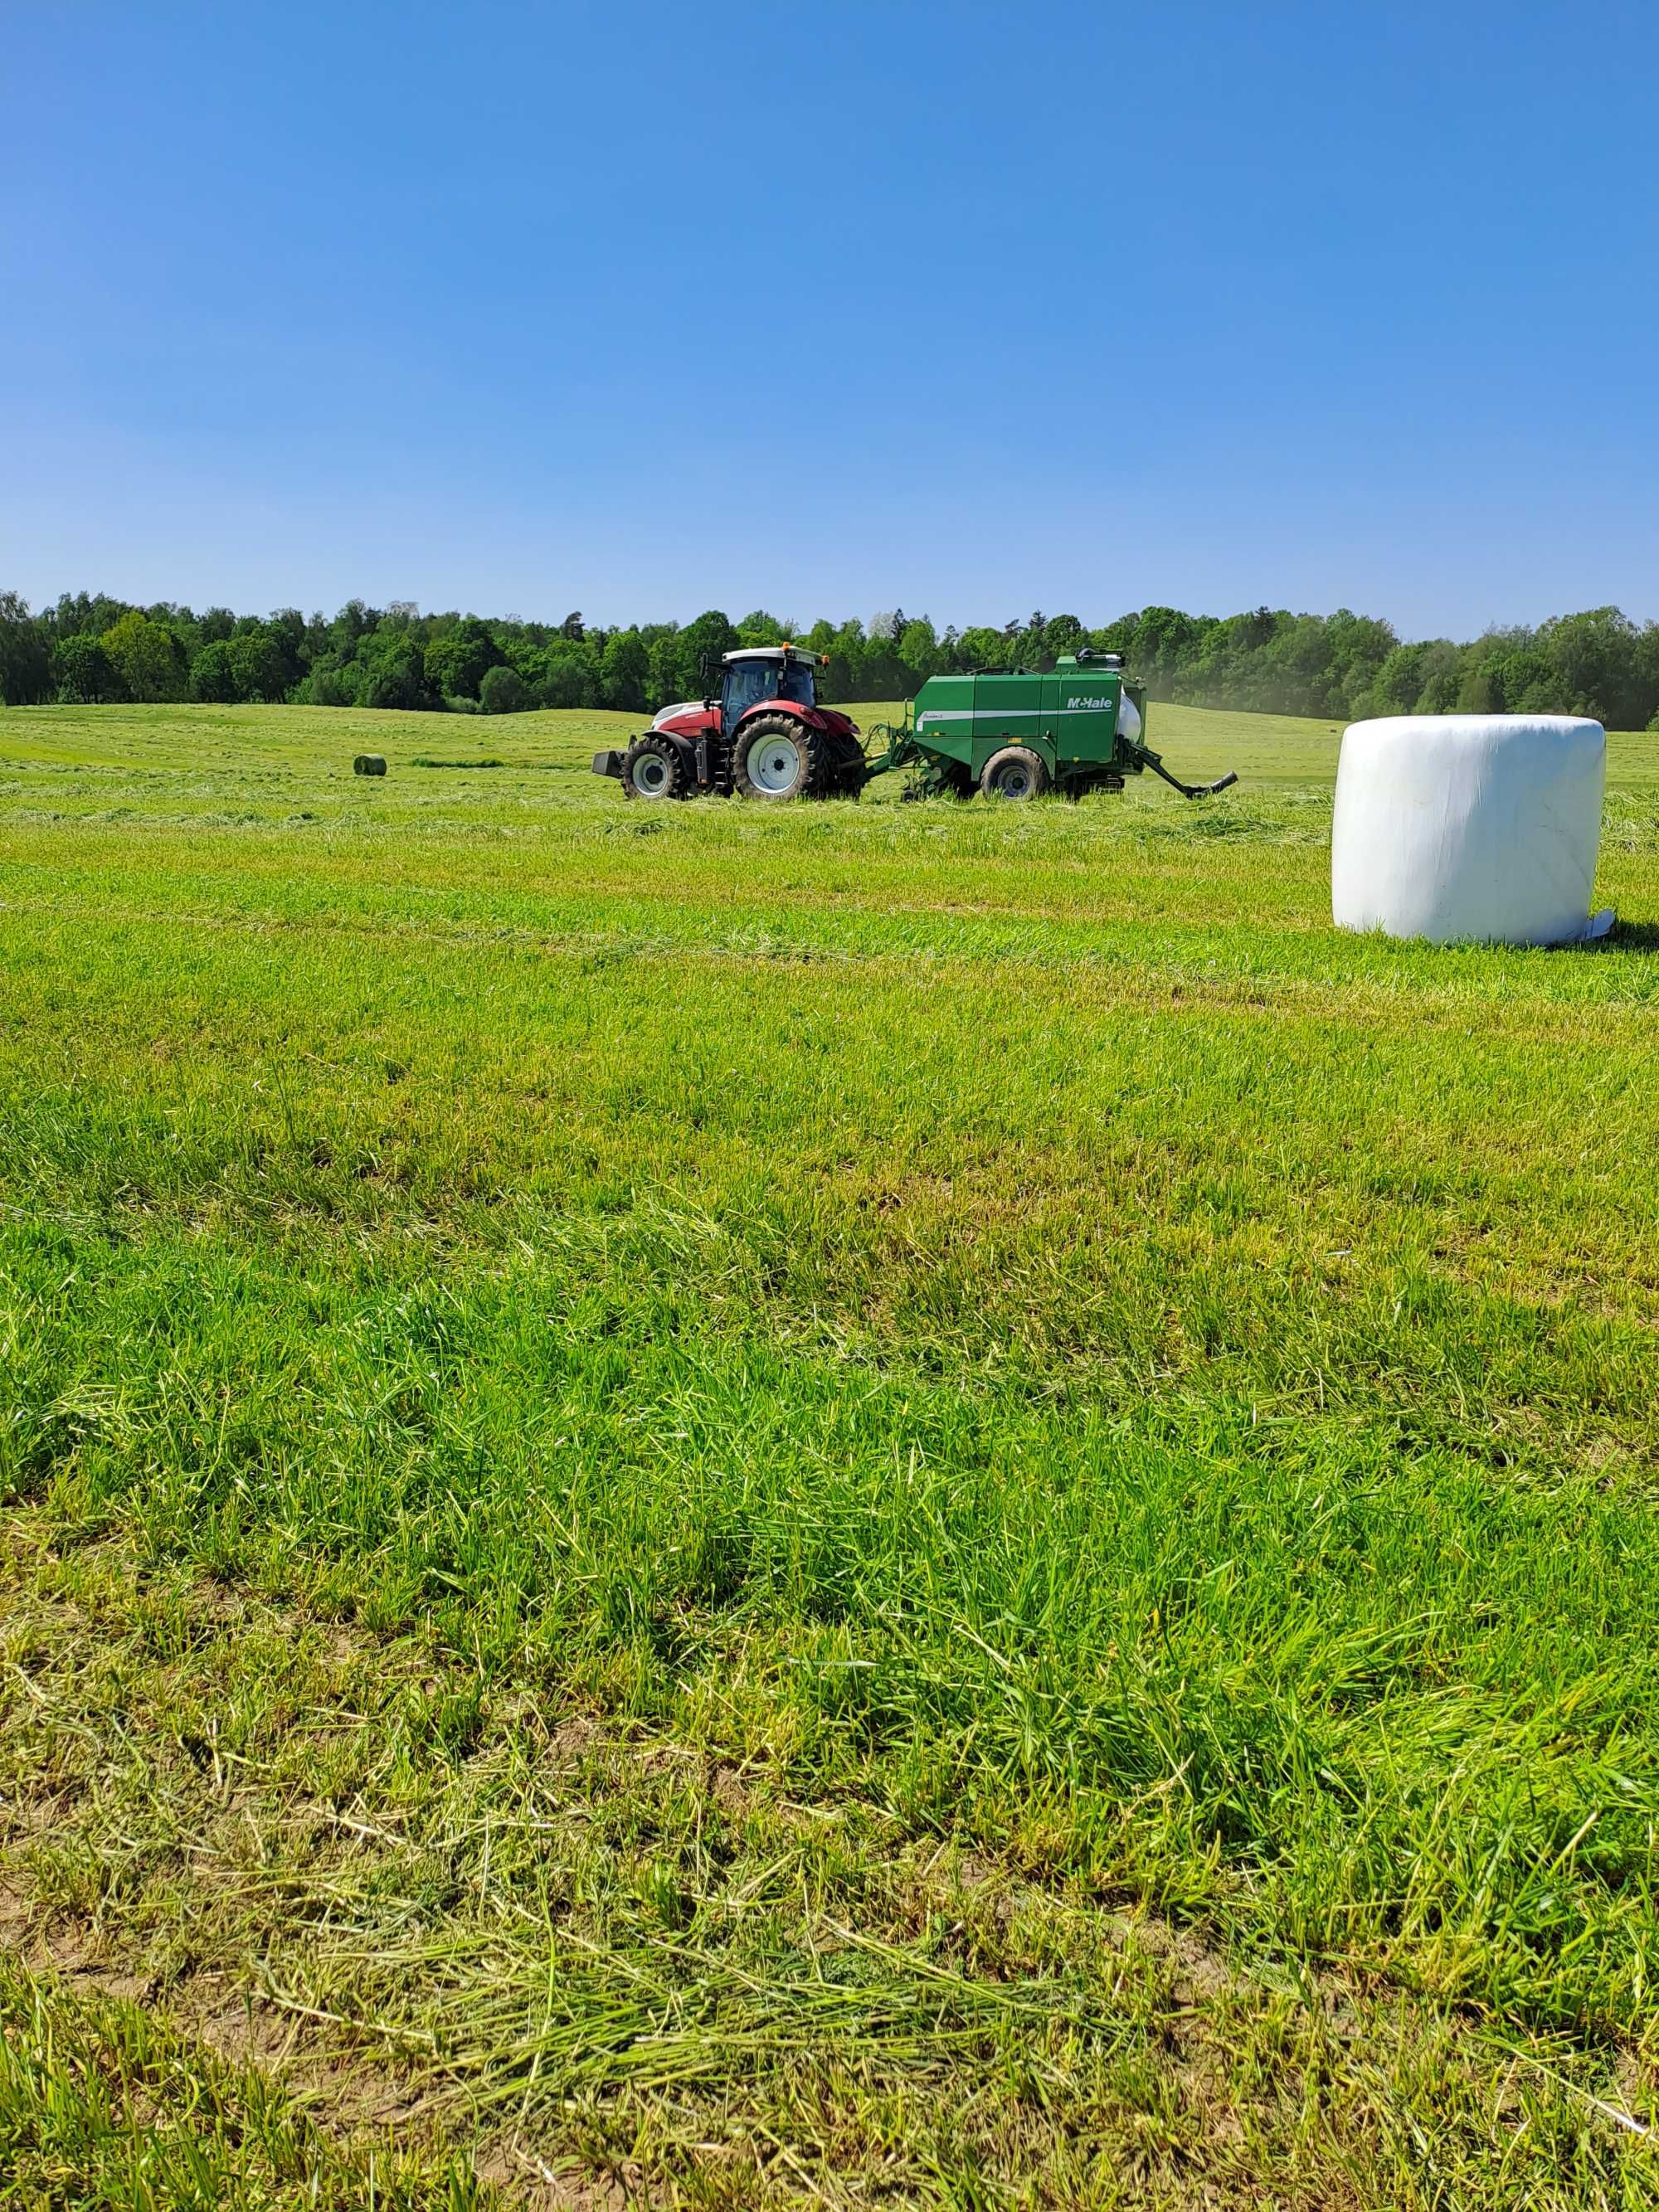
(1469, 827)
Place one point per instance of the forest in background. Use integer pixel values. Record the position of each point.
(88, 649)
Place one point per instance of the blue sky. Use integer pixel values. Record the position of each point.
(641, 308)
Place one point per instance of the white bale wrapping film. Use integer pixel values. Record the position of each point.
(1469, 827)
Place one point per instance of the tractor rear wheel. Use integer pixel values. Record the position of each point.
(652, 768)
(846, 775)
(1014, 773)
(778, 757)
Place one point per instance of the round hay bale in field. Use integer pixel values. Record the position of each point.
(1460, 828)
(369, 765)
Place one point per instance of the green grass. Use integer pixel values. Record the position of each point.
(882, 1504)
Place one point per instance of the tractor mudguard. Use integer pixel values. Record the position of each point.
(826, 718)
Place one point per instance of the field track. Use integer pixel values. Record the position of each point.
(858, 1505)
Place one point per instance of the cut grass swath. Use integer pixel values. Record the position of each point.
(997, 1329)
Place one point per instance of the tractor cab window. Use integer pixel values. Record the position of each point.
(748, 682)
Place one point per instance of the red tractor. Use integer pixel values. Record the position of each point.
(765, 737)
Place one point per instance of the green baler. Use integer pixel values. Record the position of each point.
(1017, 734)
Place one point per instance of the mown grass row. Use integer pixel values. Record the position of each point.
(102, 2102)
(594, 1946)
(1373, 1701)
(1162, 1405)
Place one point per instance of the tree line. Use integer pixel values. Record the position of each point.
(90, 649)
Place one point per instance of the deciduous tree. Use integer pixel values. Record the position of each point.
(456, 663)
(147, 656)
(81, 670)
(261, 663)
(212, 675)
(25, 663)
(503, 690)
(624, 671)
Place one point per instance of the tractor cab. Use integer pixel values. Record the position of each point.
(759, 673)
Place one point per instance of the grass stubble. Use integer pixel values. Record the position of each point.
(875, 1505)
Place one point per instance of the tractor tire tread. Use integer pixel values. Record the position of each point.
(817, 782)
(660, 748)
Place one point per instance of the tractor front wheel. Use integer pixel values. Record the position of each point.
(1014, 773)
(653, 767)
(778, 757)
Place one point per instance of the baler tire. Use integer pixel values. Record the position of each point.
(642, 776)
(811, 770)
(1015, 772)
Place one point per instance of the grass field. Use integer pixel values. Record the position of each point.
(859, 1505)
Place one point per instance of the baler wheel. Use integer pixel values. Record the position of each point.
(652, 768)
(1015, 772)
(778, 757)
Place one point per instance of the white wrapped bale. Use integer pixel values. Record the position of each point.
(1469, 827)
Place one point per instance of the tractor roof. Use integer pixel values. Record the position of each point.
(776, 653)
